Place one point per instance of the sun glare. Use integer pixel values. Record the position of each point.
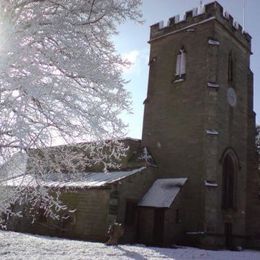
(2, 37)
(4, 33)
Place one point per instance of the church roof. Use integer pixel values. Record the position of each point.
(73, 180)
(162, 193)
(89, 157)
(71, 166)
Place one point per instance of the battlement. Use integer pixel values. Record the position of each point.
(211, 11)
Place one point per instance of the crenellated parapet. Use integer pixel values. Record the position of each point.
(211, 11)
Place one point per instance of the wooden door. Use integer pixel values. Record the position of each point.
(228, 235)
(158, 227)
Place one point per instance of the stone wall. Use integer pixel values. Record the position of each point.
(89, 222)
(189, 126)
(174, 226)
(133, 189)
(173, 128)
(96, 209)
(253, 178)
(231, 123)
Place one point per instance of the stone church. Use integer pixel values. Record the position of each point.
(200, 185)
(199, 123)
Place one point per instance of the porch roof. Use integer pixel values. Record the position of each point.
(162, 193)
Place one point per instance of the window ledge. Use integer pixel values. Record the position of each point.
(213, 42)
(211, 184)
(178, 80)
(213, 85)
(212, 132)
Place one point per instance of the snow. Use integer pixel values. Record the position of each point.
(61, 80)
(178, 80)
(16, 166)
(212, 132)
(185, 28)
(31, 247)
(210, 184)
(195, 11)
(177, 18)
(146, 156)
(226, 14)
(236, 24)
(213, 42)
(213, 85)
(161, 24)
(75, 180)
(190, 30)
(162, 193)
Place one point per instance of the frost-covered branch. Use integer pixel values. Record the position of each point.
(61, 81)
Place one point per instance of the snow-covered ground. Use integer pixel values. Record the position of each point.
(24, 246)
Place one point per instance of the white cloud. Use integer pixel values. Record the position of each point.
(132, 58)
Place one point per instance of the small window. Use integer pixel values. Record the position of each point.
(230, 68)
(181, 64)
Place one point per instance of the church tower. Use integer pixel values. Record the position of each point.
(199, 121)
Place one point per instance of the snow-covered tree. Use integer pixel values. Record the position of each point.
(60, 76)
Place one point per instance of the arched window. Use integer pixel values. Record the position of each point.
(229, 181)
(181, 64)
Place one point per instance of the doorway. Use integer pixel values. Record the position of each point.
(228, 235)
(158, 227)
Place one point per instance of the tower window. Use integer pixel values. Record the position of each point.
(181, 64)
(230, 68)
(228, 183)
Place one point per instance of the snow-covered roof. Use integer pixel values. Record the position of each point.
(16, 166)
(75, 180)
(162, 193)
(87, 157)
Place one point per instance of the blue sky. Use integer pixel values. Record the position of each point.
(132, 44)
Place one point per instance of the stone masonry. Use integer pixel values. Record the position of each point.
(193, 124)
